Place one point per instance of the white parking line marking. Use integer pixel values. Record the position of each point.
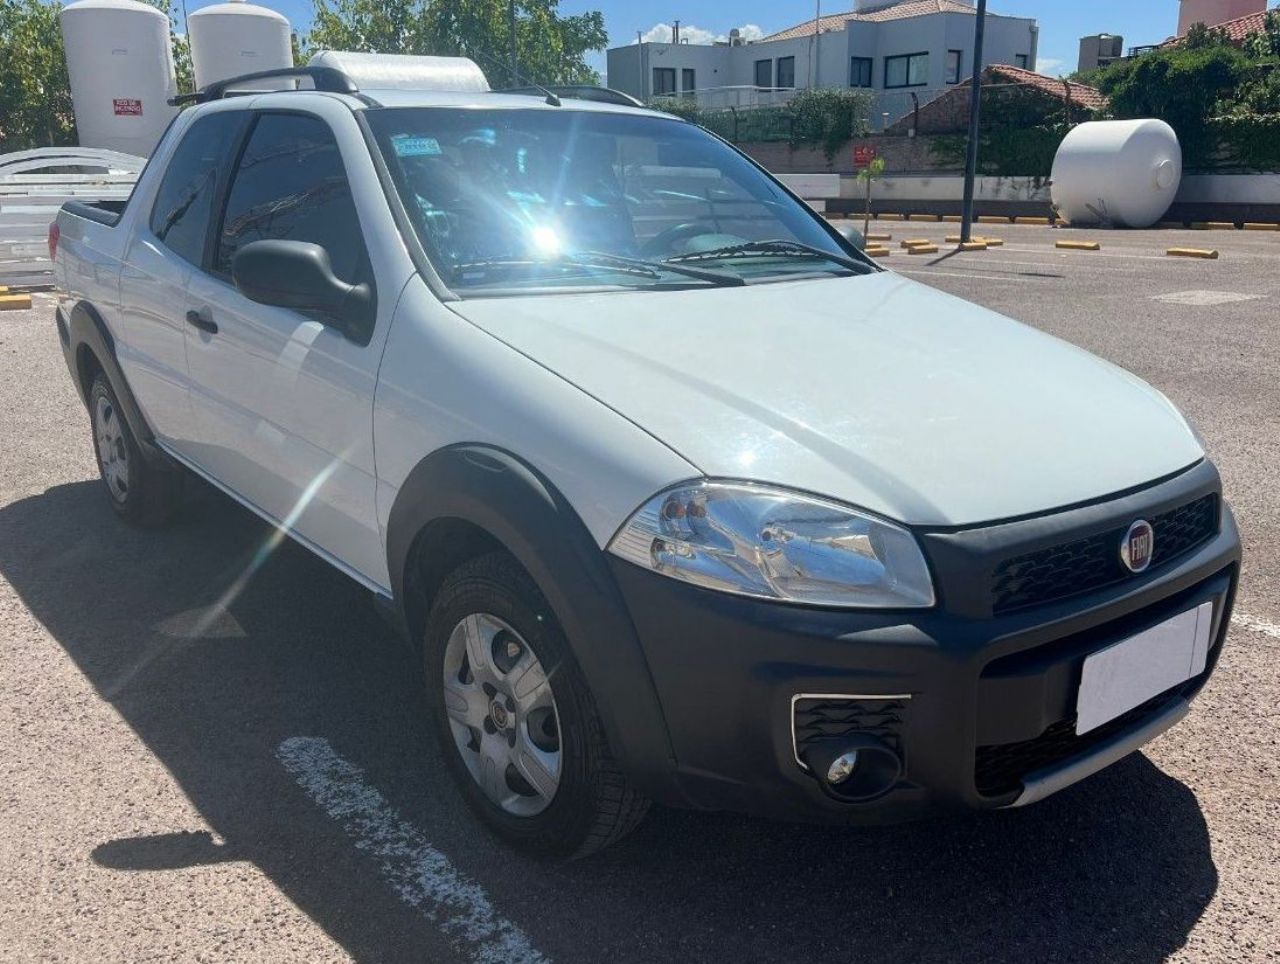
(420, 874)
(1204, 299)
(1253, 623)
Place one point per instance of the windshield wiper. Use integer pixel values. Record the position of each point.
(778, 246)
(622, 263)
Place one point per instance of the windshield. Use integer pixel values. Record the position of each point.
(552, 198)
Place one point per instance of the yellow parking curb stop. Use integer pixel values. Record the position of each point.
(1209, 254)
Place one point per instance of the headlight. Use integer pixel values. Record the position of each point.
(772, 544)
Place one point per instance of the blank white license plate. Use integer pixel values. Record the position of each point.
(1128, 673)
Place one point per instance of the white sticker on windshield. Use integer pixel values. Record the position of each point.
(406, 146)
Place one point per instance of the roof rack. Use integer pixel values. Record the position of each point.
(603, 95)
(327, 79)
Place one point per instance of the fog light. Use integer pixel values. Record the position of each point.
(842, 767)
(855, 768)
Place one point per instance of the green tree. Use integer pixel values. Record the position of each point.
(1185, 86)
(35, 95)
(868, 174)
(551, 49)
(1265, 44)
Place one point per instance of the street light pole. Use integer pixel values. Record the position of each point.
(975, 106)
(511, 27)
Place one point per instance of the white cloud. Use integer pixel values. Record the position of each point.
(1051, 67)
(661, 33)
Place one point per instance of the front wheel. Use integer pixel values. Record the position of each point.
(515, 720)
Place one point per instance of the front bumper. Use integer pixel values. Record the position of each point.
(980, 706)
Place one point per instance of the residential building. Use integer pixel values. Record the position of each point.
(890, 47)
(1100, 50)
(1213, 12)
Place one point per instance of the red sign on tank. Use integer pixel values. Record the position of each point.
(127, 107)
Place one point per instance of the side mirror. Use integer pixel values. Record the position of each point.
(852, 235)
(299, 275)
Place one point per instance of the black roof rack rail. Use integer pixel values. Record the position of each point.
(603, 95)
(327, 79)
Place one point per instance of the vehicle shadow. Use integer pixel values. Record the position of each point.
(214, 670)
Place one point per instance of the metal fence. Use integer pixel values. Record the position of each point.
(34, 184)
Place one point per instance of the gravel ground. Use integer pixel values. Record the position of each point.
(165, 791)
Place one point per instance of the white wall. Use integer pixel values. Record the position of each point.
(631, 68)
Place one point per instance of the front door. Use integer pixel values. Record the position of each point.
(167, 244)
(283, 400)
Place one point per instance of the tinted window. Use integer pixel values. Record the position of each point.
(910, 70)
(786, 71)
(180, 217)
(291, 184)
(860, 72)
(764, 73)
(664, 81)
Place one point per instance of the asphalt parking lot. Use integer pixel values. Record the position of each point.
(212, 749)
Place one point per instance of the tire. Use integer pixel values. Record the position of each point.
(496, 607)
(141, 494)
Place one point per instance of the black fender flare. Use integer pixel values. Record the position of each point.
(86, 331)
(513, 503)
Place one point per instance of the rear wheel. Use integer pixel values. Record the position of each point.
(515, 719)
(140, 493)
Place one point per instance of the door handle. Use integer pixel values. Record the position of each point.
(198, 320)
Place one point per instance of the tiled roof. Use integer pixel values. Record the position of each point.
(1238, 30)
(898, 11)
(1081, 94)
(949, 111)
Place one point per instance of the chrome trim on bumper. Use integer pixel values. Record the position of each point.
(1048, 781)
(796, 698)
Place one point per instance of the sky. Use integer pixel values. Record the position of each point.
(1062, 22)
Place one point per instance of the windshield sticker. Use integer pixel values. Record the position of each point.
(406, 146)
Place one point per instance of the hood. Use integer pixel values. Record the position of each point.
(876, 391)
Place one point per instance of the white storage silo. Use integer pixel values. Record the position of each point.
(229, 39)
(120, 64)
(1117, 173)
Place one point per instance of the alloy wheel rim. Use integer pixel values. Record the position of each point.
(113, 453)
(502, 714)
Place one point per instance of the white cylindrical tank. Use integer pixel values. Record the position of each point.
(1117, 173)
(229, 39)
(120, 64)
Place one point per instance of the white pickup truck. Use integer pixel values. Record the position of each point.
(678, 495)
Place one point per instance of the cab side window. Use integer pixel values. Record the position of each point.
(291, 185)
(184, 202)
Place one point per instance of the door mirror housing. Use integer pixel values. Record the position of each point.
(851, 234)
(299, 275)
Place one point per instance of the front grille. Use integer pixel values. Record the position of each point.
(1000, 769)
(819, 718)
(1083, 565)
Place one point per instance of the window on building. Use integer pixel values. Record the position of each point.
(907, 70)
(764, 73)
(180, 216)
(1021, 60)
(860, 72)
(664, 81)
(688, 80)
(786, 71)
(954, 65)
(291, 184)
